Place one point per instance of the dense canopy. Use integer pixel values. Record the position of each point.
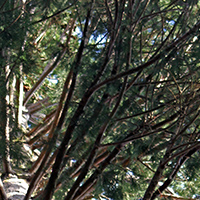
(100, 99)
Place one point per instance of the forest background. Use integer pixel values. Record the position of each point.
(99, 99)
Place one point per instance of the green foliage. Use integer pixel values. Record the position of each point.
(132, 99)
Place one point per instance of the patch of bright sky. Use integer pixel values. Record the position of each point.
(171, 22)
(101, 39)
(53, 80)
(78, 32)
(149, 30)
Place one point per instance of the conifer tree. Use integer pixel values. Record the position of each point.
(99, 99)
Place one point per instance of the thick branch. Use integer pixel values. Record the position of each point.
(151, 61)
(56, 168)
(181, 161)
(3, 195)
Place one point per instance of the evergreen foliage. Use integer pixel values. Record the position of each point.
(100, 99)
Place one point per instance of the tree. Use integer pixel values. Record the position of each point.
(99, 99)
